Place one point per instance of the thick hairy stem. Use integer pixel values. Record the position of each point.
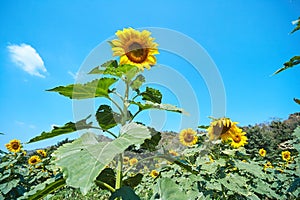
(119, 172)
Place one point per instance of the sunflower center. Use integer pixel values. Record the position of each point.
(237, 138)
(221, 130)
(286, 156)
(15, 145)
(33, 160)
(189, 138)
(136, 53)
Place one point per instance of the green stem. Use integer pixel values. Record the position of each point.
(111, 133)
(119, 172)
(106, 185)
(116, 104)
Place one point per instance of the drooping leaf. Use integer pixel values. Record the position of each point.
(137, 82)
(6, 187)
(95, 88)
(151, 144)
(83, 159)
(291, 63)
(127, 193)
(43, 189)
(67, 128)
(106, 117)
(112, 68)
(297, 100)
(150, 105)
(133, 181)
(203, 126)
(297, 27)
(108, 64)
(168, 189)
(152, 95)
(107, 176)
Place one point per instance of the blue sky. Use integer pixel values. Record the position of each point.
(43, 44)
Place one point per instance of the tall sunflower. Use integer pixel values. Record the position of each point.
(262, 152)
(286, 155)
(13, 146)
(42, 152)
(135, 48)
(238, 140)
(33, 160)
(223, 128)
(188, 137)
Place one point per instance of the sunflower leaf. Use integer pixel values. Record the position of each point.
(133, 181)
(106, 117)
(291, 63)
(108, 64)
(107, 176)
(297, 27)
(67, 128)
(168, 189)
(137, 82)
(150, 105)
(152, 95)
(297, 100)
(127, 193)
(95, 88)
(87, 153)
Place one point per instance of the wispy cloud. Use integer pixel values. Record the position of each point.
(23, 124)
(28, 59)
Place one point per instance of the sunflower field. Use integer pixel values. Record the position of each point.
(220, 160)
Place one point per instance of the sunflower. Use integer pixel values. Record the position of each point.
(238, 140)
(133, 161)
(14, 146)
(135, 48)
(268, 165)
(286, 155)
(188, 137)
(262, 152)
(223, 128)
(125, 160)
(33, 160)
(41, 152)
(173, 153)
(154, 173)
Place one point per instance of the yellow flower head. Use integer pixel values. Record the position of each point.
(268, 165)
(135, 48)
(173, 153)
(223, 128)
(41, 152)
(262, 152)
(125, 160)
(33, 160)
(286, 155)
(14, 146)
(133, 161)
(188, 137)
(238, 140)
(154, 173)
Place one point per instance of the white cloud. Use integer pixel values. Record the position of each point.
(28, 59)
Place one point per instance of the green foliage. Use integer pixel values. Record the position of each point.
(152, 95)
(127, 193)
(137, 82)
(291, 63)
(106, 117)
(95, 88)
(67, 128)
(87, 153)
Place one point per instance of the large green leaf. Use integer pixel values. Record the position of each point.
(137, 82)
(127, 193)
(95, 88)
(291, 63)
(168, 189)
(297, 27)
(112, 68)
(152, 95)
(67, 128)
(106, 117)
(150, 105)
(151, 144)
(43, 189)
(133, 181)
(106, 176)
(83, 159)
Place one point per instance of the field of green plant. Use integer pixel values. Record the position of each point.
(217, 161)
